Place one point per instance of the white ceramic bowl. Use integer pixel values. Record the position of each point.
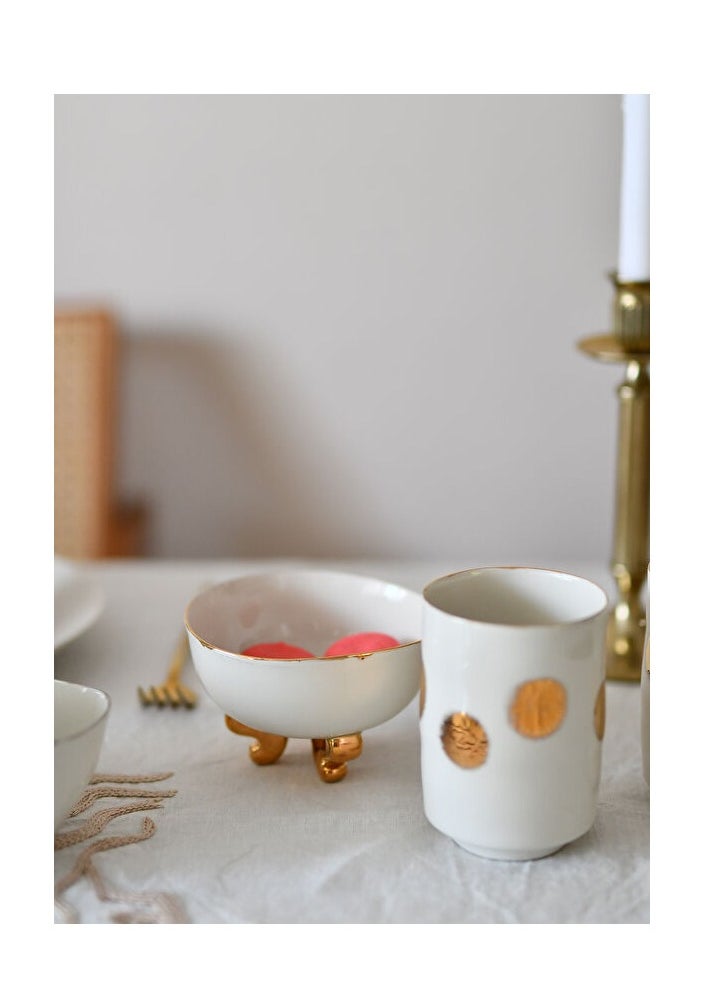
(81, 714)
(306, 698)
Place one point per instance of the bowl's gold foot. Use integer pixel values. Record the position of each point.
(331, 755)
(267, 748)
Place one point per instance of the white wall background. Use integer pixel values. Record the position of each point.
(350, 322)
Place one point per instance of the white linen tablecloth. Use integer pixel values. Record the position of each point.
(243, 844)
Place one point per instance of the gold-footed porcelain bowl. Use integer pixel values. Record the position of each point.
(329, 701)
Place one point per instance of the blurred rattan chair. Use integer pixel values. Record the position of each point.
(89, 522)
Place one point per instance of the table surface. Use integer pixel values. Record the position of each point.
(239, 843)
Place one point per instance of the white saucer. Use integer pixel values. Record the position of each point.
(79, 601)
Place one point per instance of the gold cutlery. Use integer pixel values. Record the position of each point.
(173, 692)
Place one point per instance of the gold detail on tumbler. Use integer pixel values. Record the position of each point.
(538, 707)
(331, 755)
(599, 712)
(267, 748)
(630, 345)
(464, 740)
(422, 695)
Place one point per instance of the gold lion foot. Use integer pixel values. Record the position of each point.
(267, 748)
(332, 754)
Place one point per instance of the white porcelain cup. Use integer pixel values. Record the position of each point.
(81, 714)
(512, 708)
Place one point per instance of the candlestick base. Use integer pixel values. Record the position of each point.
(625, 636)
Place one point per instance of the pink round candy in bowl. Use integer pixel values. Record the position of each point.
(329, 700)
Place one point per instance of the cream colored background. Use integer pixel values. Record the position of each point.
(350, 322)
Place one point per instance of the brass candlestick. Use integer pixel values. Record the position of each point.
(629, 344)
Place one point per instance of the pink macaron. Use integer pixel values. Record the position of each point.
(277, 650)
(359, 644)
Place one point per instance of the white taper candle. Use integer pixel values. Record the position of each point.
(633, 250)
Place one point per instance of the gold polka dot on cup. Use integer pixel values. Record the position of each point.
(538, 707)
(464, 740)
(599, 712)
